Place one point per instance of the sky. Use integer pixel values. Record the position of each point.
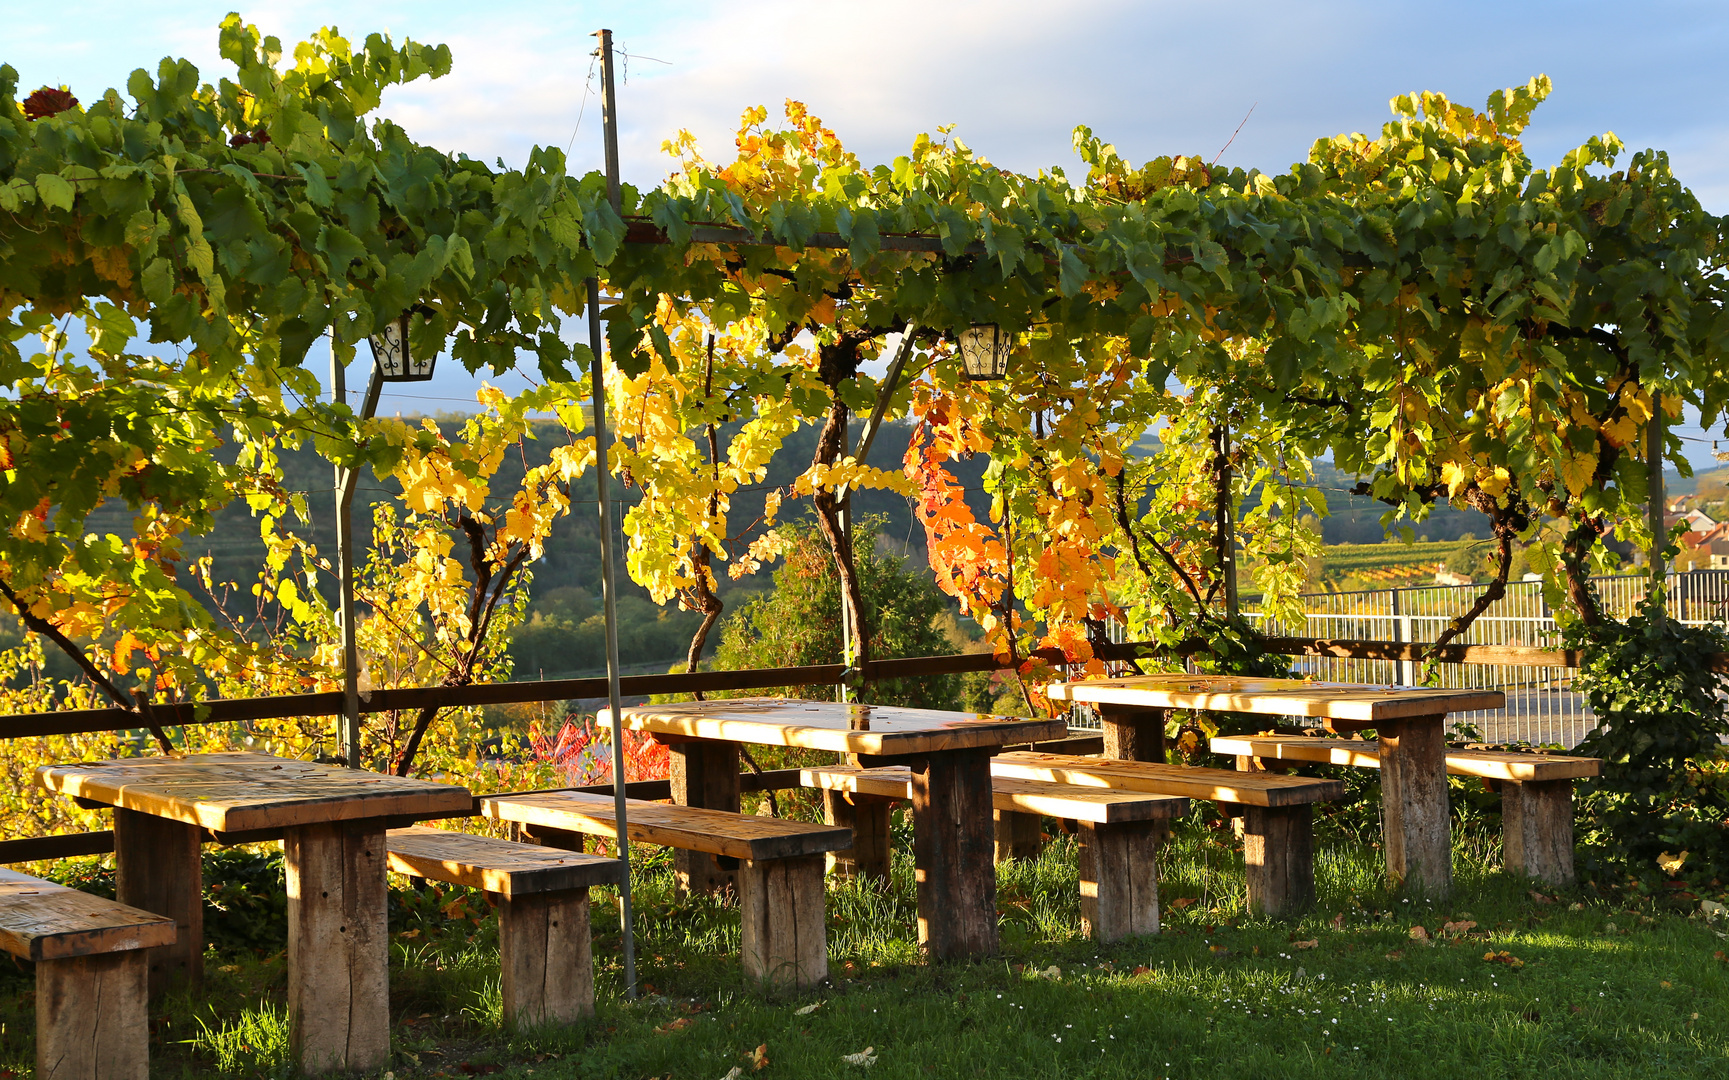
(1013, 77)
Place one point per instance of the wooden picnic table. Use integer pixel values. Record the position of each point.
(954, 831)
(1411, 722)
(331, 821)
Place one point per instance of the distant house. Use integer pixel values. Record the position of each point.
(1447, 577)
(1718, 551)
(1696, 522)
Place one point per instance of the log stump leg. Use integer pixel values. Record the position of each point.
(1018, 835)
(1119, 879)
(338, 947)
(546, 964)
(92, 1017)
(1133, 733)
(1279, 858)
(704, 774)
(157, 869)
(954, 853)
(1537, 830)
(870, 856)
(783, 939)
(1418, 830)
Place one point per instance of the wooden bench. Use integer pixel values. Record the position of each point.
(1278, 830)
(92, 980)
(546, 965)
(780, 886)
(1536, 790)
(1119, 833)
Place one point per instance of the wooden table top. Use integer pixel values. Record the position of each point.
(244, 792)
(832, 725)
(1356, 702)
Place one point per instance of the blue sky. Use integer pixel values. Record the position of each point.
(1014, 77)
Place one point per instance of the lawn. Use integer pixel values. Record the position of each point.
(1509, 982)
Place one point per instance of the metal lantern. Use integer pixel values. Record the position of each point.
(985, 351)
(396, 362)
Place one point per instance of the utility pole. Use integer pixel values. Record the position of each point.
(1658, 504)
(348, 733)
(608, 583)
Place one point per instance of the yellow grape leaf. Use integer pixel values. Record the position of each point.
(1578, 471)
(1494, 483)
(1621, 431)
(1454, 476)
(1671, 864)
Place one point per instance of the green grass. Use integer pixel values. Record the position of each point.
(1603, 989)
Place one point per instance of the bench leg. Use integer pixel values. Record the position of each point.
(1279, 858)
(1537, 830)
(92, 1019)
(704, 774)
(1418, 832)
(868, 817)
(338, 947)
(158, 870)
(1017, 835)
(1133, 734)
(1119, 879)
(546, 966)
(953, 849)
(784, 940)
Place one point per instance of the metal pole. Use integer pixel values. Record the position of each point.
(608, 583)
(1658, 506)
(346, 479)
(1228, 508)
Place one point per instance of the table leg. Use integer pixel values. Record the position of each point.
(870, 856)
(338, 946)
(704, 773)
(1133, 733)
(954, 847)
(157, 869)
(1414, 802)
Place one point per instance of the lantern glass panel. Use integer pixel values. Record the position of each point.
(985, 351)
(396, 361)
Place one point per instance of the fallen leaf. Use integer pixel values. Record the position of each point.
(1462, 927)
(1142, 970)
(1419, 934)
(1182, 902)
(733, 1073)
(864, 1058)
(456, 909)
(1504, 957)
(1540, 898)
(1396, 954)
(1720, 955)
(406, 935)
(1053, 972)
(1312, 943)
(1665, 984)
(807, 1010)
(1711, 909)
(1339, 921)
(759, 1058)
(675, 1025)
(1576, 907)
(1671, 864)
(1219, 951)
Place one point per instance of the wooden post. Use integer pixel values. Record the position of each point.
(1018, 835)
(783, 939)
(1537, 830)
(158, 869)
(1119, 879)
(338, 946)
(704, 774)
(871, 855)
(1418, 831)
(1132, 733)
(1279, 858)
(92, 1017)
(953, 853)
(546, 963)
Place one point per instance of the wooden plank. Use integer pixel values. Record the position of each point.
(63, 846)
(92, 1018)
(546, 958)
(1537, 831)
(338, 947)
(243, 792)
(1279, 859)
(1013, 794)
(497, 866)
(954, 854)
(1018, 835)
(40, 920)
(1219, 785)
(1416, 824)
(871, 855)
(875, 730)
(739, 836)
(1504, 765)
(1119, 871)
(1284, 697)
(704, 774)
(1419, 652)
(783, 937)
(159, 868)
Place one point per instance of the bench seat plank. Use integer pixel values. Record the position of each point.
(40, 920)
(693, 828)
(1104, 806)
(1218, 785)
(497, 866)
(1365, 753)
